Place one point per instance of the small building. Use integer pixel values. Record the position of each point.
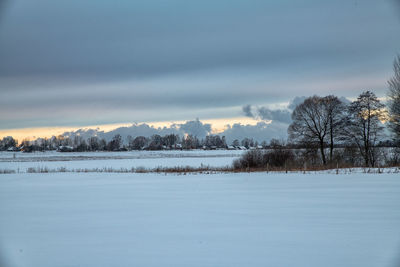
(65, 149)
(178, 146)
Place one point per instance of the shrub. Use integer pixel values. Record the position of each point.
(279, 157)
(276, 158)
(393, 157)
(6, 171)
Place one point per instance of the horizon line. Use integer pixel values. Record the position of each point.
(30, 133)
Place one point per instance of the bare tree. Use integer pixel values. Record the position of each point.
(310, 124)
(7, 142)
(139, 143)
(170, 140)
(394, 101)
(363, 125)
(317, 122)
(155, 142)
(190, 142)
(335, 110)
(93, 143)
(102, 144)
(115, 143)
(236, 143)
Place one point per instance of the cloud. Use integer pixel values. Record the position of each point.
(300, 99)
(279, 115)
(3, 6)
(267, 114)
(148, 38)
(262, 131)
(345, 100)
(151, 61)
(397, 5)
(296, 101)
(196, 128)
(247, 111)
(133, 130)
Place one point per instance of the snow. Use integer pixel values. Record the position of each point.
(120, 163)
(123, 154)
(117, 160)
(256, 219)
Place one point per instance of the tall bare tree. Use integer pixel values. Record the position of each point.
(364, 125)
(311, 124)
(394, 101)
(335, 110)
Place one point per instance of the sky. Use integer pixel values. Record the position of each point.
(72, 64)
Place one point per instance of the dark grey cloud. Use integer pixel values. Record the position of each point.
(3, 6)
(278, 115)
(274, 115)
(247, 111)
(146, 38)
(92, 62)
(267, 114)
(397, 5)
(135, 38)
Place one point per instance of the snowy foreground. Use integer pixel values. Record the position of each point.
(257, 219)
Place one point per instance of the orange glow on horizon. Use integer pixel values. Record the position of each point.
(218, 125)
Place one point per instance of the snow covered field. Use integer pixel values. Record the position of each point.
(117, 160)
(256, 219)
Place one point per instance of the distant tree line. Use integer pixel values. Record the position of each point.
(154, 142)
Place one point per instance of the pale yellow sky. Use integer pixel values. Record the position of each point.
(218, 125)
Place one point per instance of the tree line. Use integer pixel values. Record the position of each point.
(330, 132)
(154, 142)
(327, 122)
